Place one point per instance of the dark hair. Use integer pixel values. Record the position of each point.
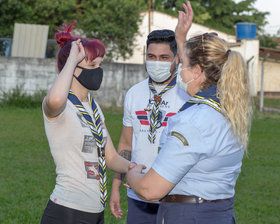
(93, 48)
(163, 36)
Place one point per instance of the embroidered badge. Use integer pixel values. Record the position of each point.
(180, 137)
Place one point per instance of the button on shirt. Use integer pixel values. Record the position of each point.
(200, 154)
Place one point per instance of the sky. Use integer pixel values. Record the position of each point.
(272, 6)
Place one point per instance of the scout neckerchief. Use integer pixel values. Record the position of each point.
(155, 111)
(97, 132)
(207, 96)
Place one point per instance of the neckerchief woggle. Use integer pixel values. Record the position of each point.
(155, 111)
(207, 96)
(96, 130)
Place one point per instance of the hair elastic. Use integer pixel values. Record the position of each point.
(227, 53)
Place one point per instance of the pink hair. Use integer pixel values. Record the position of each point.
(93, 48)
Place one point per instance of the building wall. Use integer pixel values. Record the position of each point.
(271, 77)
(34, 74)
(160, 21)
(30, 74)
(249, 49)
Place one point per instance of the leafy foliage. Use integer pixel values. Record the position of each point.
(47, 12)
(115, 22)
(267, 40)
(20, 99)
(222, 15)
(218, 14)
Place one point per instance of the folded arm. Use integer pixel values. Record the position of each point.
(150, 186)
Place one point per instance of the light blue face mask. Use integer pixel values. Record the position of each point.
(179, 81)
(159, 71)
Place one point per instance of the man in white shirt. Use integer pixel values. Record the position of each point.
(147, 107)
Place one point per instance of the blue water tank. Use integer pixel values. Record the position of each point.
(245, 30)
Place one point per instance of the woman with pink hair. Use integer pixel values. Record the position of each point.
(79, 141)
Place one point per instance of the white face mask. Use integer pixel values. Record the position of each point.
(179, 81)
(159, 71)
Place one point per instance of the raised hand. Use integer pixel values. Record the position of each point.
(77, 51)
(184, 24)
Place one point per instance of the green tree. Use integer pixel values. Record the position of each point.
(267, 40)
(218, 14)
(172, 7)
(45, 12)
(115, 22)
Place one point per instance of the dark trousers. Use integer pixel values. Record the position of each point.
(58, 214)
(140, 212)
(205, 213)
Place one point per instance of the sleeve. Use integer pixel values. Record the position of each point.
(59, 117)
(163, 136)
(182, 148)
(127, 116)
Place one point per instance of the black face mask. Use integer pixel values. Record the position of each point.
(90, 78)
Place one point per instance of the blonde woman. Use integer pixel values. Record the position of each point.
(202, 147)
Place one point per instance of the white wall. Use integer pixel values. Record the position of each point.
(34, 74)
(271, 76)
(249, 49)
(159, 20)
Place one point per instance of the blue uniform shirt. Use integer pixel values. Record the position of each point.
(200, 154)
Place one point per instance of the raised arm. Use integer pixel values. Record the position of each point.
(55, 101)
(184, 24)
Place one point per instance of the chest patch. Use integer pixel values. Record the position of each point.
(181, 137)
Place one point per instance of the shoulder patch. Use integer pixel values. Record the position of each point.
(180, 137)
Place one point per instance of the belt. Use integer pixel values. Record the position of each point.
(187, 199)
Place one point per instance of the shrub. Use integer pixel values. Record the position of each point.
(18, 98)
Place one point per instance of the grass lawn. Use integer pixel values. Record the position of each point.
(27, 171)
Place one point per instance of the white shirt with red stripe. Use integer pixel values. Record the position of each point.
(137, 110)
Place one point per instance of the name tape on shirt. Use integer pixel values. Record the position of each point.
(180, 137)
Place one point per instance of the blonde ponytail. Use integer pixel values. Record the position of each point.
(226, 69)
(233, 90)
